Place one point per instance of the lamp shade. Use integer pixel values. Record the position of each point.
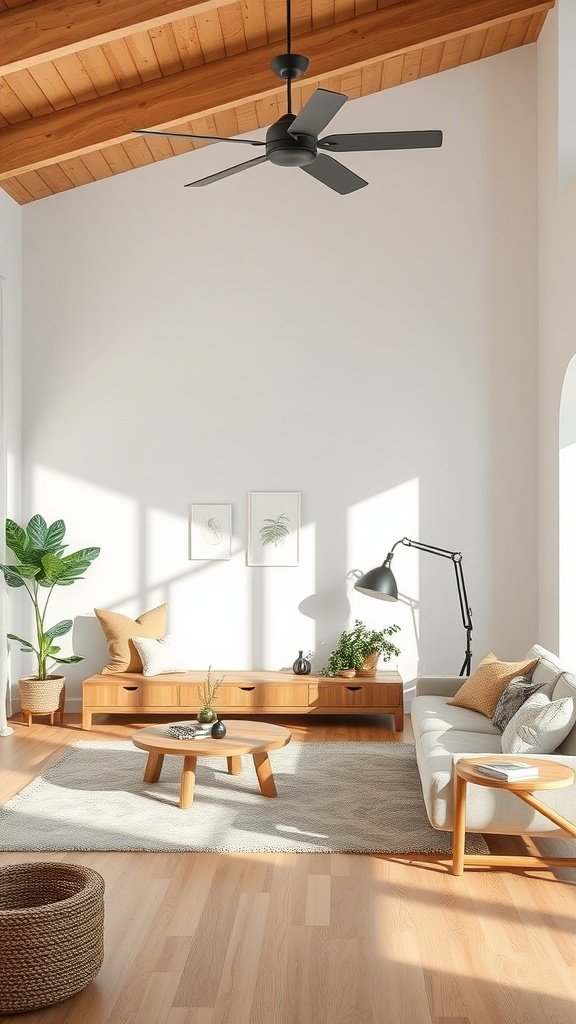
(379, 582)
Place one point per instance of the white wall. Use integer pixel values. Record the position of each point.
(11, 272)
(376, 352)
(557, 301)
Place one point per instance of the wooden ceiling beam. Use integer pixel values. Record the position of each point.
(244, 77)
(46, 29)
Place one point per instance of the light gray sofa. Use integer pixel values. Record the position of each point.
(444, 733)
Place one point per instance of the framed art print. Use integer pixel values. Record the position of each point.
(210, 532)
(273, 528)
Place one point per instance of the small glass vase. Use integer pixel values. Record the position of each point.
(301, 667)
(206, 715)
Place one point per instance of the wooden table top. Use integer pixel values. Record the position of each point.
(551, 774)
(240, 738)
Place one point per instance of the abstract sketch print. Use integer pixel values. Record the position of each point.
(212, 531)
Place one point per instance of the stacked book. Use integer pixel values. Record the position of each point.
(191, 730)
(507, 770)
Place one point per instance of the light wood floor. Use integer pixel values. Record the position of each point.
(312, 938)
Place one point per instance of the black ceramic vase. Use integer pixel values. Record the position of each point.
(301, 666)
(218, 730)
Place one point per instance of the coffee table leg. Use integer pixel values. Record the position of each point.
(153, 767)
(234, 765)
(459, 833)
(264, 773)
(187, 783)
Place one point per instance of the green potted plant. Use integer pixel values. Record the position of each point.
(40, 566)
(359, 650)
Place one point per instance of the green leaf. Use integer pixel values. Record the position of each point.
(74, 568)
(26, 643)
(53, 567)
(54, 536)
(60, 629)
(11, 578)
(72, 660)
(51, 651)
(37, 530)
(83, 555)
(16, 538)
(24, 571)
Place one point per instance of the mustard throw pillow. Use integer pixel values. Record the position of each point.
(119, 628)
(483, 689)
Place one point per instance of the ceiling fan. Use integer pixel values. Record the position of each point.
(292, 141)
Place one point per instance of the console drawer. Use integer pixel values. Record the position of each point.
(131, 695)
(250, 695)
(355, 693)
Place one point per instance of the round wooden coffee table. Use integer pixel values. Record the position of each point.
(256, 738)
(551, 775)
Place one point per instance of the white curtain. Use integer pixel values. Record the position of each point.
(5, 729)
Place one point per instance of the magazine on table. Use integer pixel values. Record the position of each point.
(507, 770)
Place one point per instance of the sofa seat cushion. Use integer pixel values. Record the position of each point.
(487, 809)
(431, 713)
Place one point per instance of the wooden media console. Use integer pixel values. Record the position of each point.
(244, 693)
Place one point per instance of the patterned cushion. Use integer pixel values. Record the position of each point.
(539, 726)
(481, 691)
(118, 630)
(512, 698)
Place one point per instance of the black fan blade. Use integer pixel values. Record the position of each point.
(366, 142)
(227, 172)
(211, 138)
(335, 175)
(317, 112)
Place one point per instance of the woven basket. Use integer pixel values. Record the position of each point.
(51, 933)
(368, 667)
(42, 696)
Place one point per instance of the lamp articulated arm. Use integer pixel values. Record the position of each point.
(465, 610)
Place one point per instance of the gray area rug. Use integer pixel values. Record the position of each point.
(332, 797)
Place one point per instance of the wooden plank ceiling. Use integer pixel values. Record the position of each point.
(76, 76)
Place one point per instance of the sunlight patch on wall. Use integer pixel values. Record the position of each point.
(94, 516)
(285, 630)
(373, 526)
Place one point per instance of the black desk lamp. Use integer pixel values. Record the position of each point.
(380, 582)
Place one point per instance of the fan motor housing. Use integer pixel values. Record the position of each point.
(288, 150)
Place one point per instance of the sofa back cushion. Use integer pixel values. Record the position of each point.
(557, 681)
(548, 669)
(482, 690)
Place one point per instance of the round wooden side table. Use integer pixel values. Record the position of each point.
(551, 775)
(255, 738)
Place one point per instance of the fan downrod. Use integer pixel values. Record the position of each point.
(289, 65)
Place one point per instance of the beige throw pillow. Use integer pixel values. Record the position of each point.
(118, 629)
(482, 690)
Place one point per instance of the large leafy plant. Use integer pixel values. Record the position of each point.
(356, 643)
(40, 566)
